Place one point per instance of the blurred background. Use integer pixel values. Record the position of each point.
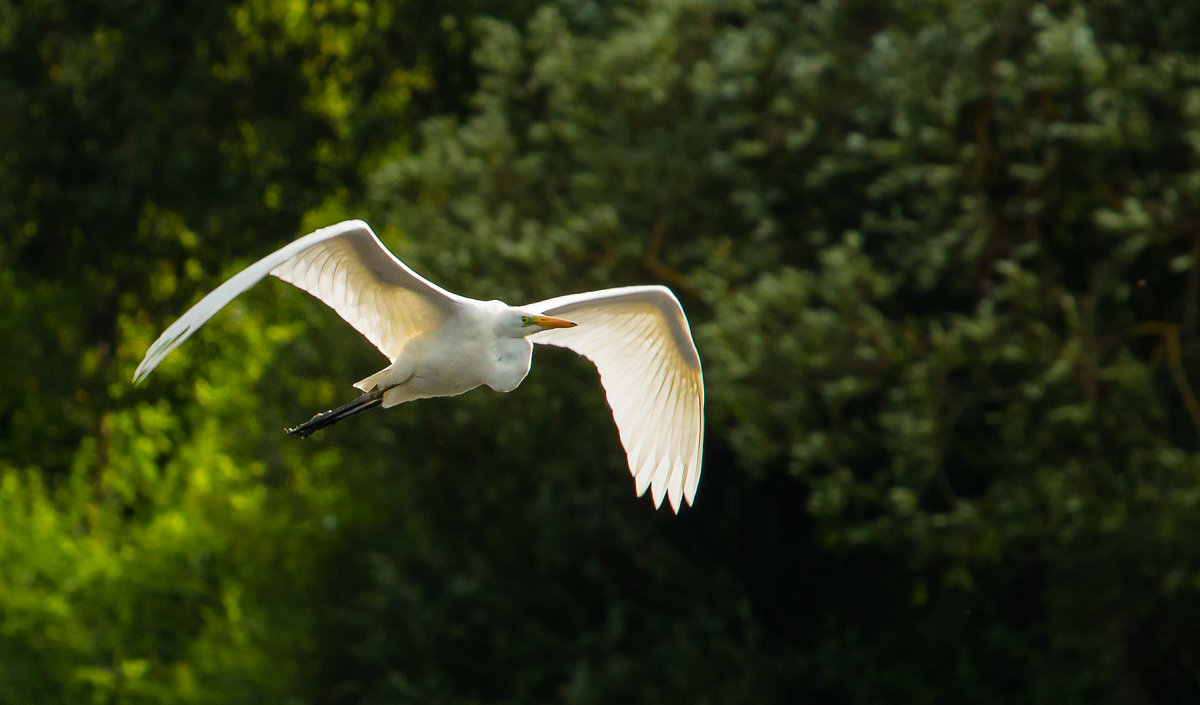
(940, 262)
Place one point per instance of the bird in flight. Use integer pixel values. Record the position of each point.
(442, 344)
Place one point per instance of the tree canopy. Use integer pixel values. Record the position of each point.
(940, 259)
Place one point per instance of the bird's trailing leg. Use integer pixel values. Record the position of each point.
(327, 418)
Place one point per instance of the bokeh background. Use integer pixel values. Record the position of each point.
(940, 262)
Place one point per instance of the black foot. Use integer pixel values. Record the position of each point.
(328, 418)
(307, 428)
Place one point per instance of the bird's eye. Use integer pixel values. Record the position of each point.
(525, 321)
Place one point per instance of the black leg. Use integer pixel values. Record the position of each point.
(368, 400)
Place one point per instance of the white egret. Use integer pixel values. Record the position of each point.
(442, 344)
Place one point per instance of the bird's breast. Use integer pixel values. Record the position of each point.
(511, 358)
(452, 362)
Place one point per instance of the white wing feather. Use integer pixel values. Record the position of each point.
(641, 344)
(348, 269)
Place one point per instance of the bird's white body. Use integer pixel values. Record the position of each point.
(442, 344)
(436, 364)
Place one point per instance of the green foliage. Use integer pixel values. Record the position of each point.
(940, 261)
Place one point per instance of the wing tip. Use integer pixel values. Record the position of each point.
(674, 497)
(168, 341)
(691, 484)
(144, 368)
(680, 494)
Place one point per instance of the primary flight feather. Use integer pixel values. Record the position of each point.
(443, 344)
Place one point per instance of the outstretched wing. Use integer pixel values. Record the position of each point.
(348, 269)
(640, 342)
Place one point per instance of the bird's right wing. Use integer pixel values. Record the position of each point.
(348, 269)
(640, 342)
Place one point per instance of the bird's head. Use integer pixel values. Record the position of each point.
(519, 323)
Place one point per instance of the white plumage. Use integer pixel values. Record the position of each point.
(640, 342)
(442, 344)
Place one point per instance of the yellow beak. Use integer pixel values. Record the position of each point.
(551, 322)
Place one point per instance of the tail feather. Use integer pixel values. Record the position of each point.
(368, 400)
(374, 380)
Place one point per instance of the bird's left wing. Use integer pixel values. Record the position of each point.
(641, 344)
(347, 268)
